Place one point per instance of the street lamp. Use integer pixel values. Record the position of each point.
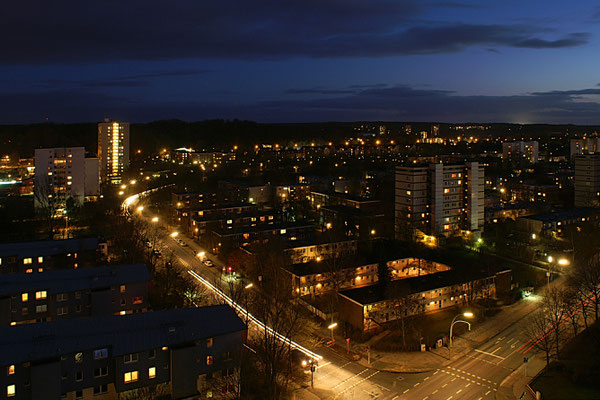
(248, 286)
(174, 234)
(140, 208)
(331, 327)
(201, 254)
(155, 219)
(467, 314)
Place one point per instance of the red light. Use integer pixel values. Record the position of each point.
(229, 269)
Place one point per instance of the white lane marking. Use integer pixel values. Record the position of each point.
(488, 392)
(405, 391)
(417, 384)
(453, 379)
(327, 363)
(496, 350)
(395, 397)
(488, 354)
(348, 379)
(436, 371)
(449, 397)
(444, 385)
(358, 383)
(435, 391)
(458, 391)
(426, 378)
(467, 385)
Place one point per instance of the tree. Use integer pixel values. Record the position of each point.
(403, 304)
(537, 330)
(556, 313)
(384, 274)
(586, 274)
(47, 203)
(155, 392)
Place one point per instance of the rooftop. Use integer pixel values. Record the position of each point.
(121, 334)
(374, 293)
(352, 211)
(47, 247)
(564, 215)
(72, 280)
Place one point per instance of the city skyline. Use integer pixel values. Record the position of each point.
(301, 62)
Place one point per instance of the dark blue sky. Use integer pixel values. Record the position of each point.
(301, 60)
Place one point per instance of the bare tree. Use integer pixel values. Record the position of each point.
(537, 330)
(47, 203)
(586, 275)
(154, 392)
(556, 314)
(403, 304)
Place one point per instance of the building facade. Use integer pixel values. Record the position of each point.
(520, 151)
(587, 180)
(178, 353)
(73, 293)
(584, 146)
(113, 150)
(439, 199)
(59, 175)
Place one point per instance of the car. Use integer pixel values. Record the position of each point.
(208, 263)
(148, 244)
(157, 253)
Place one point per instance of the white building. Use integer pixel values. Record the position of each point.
(59, 175)
(113, 150)
(92, 177)
(438, 199)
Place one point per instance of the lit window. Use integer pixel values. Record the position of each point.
(122, 288)
(130, 376)
(138, 300)
(283, 231)
(40, 260)
(446, 190)
(209, 360)
(24, 297)
(152, 372)
(27, 261)
(28, 270)
(10, 391)
(11, 369)
(209, 342)
(41, 295)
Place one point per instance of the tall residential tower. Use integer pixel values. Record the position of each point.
(113, 150)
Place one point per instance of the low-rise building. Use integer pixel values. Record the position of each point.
(43, 255)
(552, 224)
(181, 353)
(354, 222)
(319, 249)
(73, 293)
(366, 308)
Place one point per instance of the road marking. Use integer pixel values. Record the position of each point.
(449, 397)
(405, 391)
(467, 385)
(348, 379)
(327, 363)
(417, 384)
(358, 383)
(425, 398)
(426, 378)
(435, 391)
(436, 371)
(488, 392)
(489, 354)
(395, 397)
(458, 391)
(453, 379)
(444, 385)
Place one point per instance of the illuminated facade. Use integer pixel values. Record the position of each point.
(113, 150)
(59, 175)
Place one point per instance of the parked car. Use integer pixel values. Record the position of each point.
(157, 253)
(208, 263)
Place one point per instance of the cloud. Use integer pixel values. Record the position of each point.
(94, 32)
(398, 103)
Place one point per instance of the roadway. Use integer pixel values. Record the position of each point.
(477, 375)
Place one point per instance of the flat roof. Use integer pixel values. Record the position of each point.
(122, 334)
(564, 214)
(375, 294)
(47, 247)
(324, 266)
(72, 280)
(352, 210)
(261, 228)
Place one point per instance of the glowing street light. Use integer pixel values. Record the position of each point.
(123, 186)
(201, 254)
(174, 234)
(332, 327)
(467, 314)
(140, 208)
(550, 259)
(155, 219)
(248, 286)
(121, 193)
(133, 182)
(563, 261)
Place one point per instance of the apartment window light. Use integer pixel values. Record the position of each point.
(27, 261)
(41, 295)
(152, 372)
(129, 377)
(11, 369)
(11, 391)
(24, 297)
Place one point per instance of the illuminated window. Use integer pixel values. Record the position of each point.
(209, 342)
(209, 360)
(446, 190)
(24, 297)
(446, 227)
(10, 391)
(40, 260)
(122, 288)
(42, 294)
(138, 300)
(27, 261)
(130, 377)
(283, 231)
(28, 270)
(11, 369)
(152, 372)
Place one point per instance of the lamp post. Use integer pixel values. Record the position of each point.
(332, 327)
(248, 286)
(467, 314)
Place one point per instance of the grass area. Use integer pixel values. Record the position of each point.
(576, 375)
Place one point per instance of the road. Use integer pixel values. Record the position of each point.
(477, 375)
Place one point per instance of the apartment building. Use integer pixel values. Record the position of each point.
(59, 175)
(439, 199)
(180, 353)
(320, 248)
(367, 308)
(44, 255)
(520, 152)
(73, 293)
(586, 145)
(587, 180)
(113, 150)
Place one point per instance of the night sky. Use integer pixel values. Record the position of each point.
(529, 61)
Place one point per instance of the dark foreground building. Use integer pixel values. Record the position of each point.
(179, 354)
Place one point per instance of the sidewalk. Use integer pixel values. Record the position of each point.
(515, 385)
